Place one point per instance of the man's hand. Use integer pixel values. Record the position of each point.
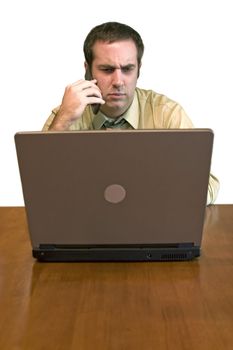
(76, 97)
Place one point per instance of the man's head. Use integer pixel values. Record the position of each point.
(113, 53)
(110, 32)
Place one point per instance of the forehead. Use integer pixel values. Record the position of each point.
(118, 52)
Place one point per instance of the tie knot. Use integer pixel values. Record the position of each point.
(113, 124)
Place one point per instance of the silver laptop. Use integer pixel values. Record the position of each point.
(115, 195)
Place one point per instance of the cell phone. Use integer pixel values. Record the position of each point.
(95, 106)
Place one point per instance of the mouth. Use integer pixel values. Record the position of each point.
(116, 94)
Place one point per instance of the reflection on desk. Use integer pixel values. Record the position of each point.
(152, 305)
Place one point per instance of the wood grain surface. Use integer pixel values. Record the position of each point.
(151, 305)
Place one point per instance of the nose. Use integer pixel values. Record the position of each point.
(117, 78)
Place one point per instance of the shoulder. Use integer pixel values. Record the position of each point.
(155, 98)
(165, 112)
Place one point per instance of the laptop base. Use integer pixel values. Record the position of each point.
(51, 253)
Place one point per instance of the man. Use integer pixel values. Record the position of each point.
(109, 98)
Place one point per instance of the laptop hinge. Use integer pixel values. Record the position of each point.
(161, 252)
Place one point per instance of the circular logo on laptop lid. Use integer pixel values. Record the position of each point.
(114, 193)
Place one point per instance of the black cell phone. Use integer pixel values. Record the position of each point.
(95, 106)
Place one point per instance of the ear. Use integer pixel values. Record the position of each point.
(88, 73)
(86, 66)
(139, 69)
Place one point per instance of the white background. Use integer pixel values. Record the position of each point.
(188, 57)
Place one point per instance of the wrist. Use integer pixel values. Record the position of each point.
(60, 123)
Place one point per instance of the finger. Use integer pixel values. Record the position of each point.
(87, 88)
(82, 83)
(93, 100)
(92, 91)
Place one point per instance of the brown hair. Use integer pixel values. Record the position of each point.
(110, 32)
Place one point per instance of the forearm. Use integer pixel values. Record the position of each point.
(75, 99)
(60, 122)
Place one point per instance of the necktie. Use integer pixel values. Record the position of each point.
(115, 124)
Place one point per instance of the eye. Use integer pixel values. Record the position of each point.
(108, 70)
(127, 69)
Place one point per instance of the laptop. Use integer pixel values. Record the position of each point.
(125, 195)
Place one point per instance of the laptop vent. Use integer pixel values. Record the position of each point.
(174, 256)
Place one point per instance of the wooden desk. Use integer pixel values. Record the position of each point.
(173, 305)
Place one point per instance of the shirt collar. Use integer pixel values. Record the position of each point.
(131, 115)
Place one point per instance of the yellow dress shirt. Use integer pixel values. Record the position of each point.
(149, 110)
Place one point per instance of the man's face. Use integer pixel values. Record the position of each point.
(115, 67)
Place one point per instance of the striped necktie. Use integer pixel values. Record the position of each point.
(115, 124)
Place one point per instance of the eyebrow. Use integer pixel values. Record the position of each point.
(104, 66)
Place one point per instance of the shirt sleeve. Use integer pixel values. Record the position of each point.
(50, 119)
(179, 119)
(213, 188)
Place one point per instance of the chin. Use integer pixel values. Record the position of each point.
(110, 112)
(114, 111)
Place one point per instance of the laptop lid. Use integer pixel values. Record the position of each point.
(116, 195)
